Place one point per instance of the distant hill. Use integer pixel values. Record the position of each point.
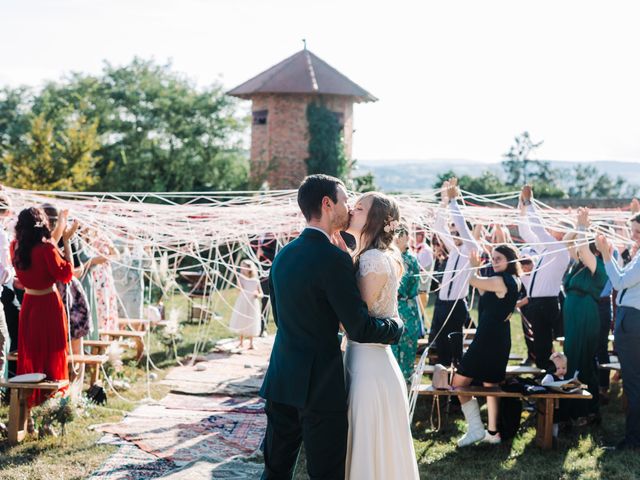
(414, 175)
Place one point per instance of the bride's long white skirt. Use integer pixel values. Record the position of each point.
(380, 446)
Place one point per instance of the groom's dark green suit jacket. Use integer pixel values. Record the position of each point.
(313, 290)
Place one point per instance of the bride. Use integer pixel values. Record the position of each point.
(379, 445)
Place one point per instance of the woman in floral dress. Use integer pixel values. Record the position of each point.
(405, 350)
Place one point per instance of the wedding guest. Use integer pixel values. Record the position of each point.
(582, 285)
(128, 275)
(6, 275)
(11, 291)
(86, 262)
(246, 316)
(72, 294)
(605, 312)
(526, 263)
(627, 329)
(487, 357)
(103, 286)
(405, 350)
(451, 312)
(42, 346)
(543, 310)
(424, 254)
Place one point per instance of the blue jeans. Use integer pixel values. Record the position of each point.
(627, 338)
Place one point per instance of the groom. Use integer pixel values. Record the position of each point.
(313, 291)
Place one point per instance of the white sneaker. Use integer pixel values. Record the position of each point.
(494, 439)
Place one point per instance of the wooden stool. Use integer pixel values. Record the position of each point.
(18, 407)
(92, 362)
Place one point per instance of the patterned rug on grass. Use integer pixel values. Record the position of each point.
(132, 463)
(232, 469)
(184, 436)
(227, 371)
(213, 403)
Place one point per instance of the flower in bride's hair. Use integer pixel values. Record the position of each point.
(391, 226)
(38, 225)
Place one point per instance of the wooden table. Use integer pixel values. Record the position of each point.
(19, 408)
(544, 405)
(511, 371)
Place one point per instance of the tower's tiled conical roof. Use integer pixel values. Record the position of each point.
(305, 73)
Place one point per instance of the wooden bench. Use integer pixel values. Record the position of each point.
(93, 363)
(511, 371)
(544, 405)
(98, 347)
(19, 410)
(615, 366)
(137, 337)
(137, 324)
(560, 340)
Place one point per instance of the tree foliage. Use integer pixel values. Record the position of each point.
(326, 148)
(155, 131)
(583, 181)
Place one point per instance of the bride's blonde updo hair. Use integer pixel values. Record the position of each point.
(379, 230)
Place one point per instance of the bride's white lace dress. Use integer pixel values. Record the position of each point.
(380, 446)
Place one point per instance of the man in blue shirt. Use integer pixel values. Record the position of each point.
(627, 328)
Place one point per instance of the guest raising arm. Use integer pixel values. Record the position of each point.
(627, 329)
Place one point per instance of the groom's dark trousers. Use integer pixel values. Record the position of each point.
(313, 290)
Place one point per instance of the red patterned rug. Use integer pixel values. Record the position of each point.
(183, 438)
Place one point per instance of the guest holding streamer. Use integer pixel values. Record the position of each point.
(487, 357)
(627, 329)
(42, 346)
(408, 306)
(582, 285)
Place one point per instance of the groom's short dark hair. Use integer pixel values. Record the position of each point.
(313, 189)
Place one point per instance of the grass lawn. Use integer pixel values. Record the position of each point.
(580, 454)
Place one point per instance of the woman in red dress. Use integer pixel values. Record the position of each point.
(42, 339)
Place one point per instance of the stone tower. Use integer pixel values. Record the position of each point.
(279, 130)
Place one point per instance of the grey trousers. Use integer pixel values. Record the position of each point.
(627, 338)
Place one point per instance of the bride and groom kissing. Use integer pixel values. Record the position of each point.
(351, 416)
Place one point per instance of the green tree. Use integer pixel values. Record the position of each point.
(50, 160)
(484, 184)
(517, 165)
(157, 131)
(326, 148)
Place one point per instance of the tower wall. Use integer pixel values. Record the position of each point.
(279, 146)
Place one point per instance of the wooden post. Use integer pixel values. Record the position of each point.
(18, 415)
(544, 431)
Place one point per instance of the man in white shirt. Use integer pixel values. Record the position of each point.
(5, 277)
(543, 309)
(451, 311)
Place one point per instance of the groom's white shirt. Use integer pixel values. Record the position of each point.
(320, 230)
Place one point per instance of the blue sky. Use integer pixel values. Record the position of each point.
(455, 79)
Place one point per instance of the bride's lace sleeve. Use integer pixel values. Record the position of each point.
(377, 290)
(373, 261)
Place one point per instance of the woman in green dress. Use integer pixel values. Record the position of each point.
(582, 285)
(405, 350)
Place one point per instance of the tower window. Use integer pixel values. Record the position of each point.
(339, 117)
(260, 117)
